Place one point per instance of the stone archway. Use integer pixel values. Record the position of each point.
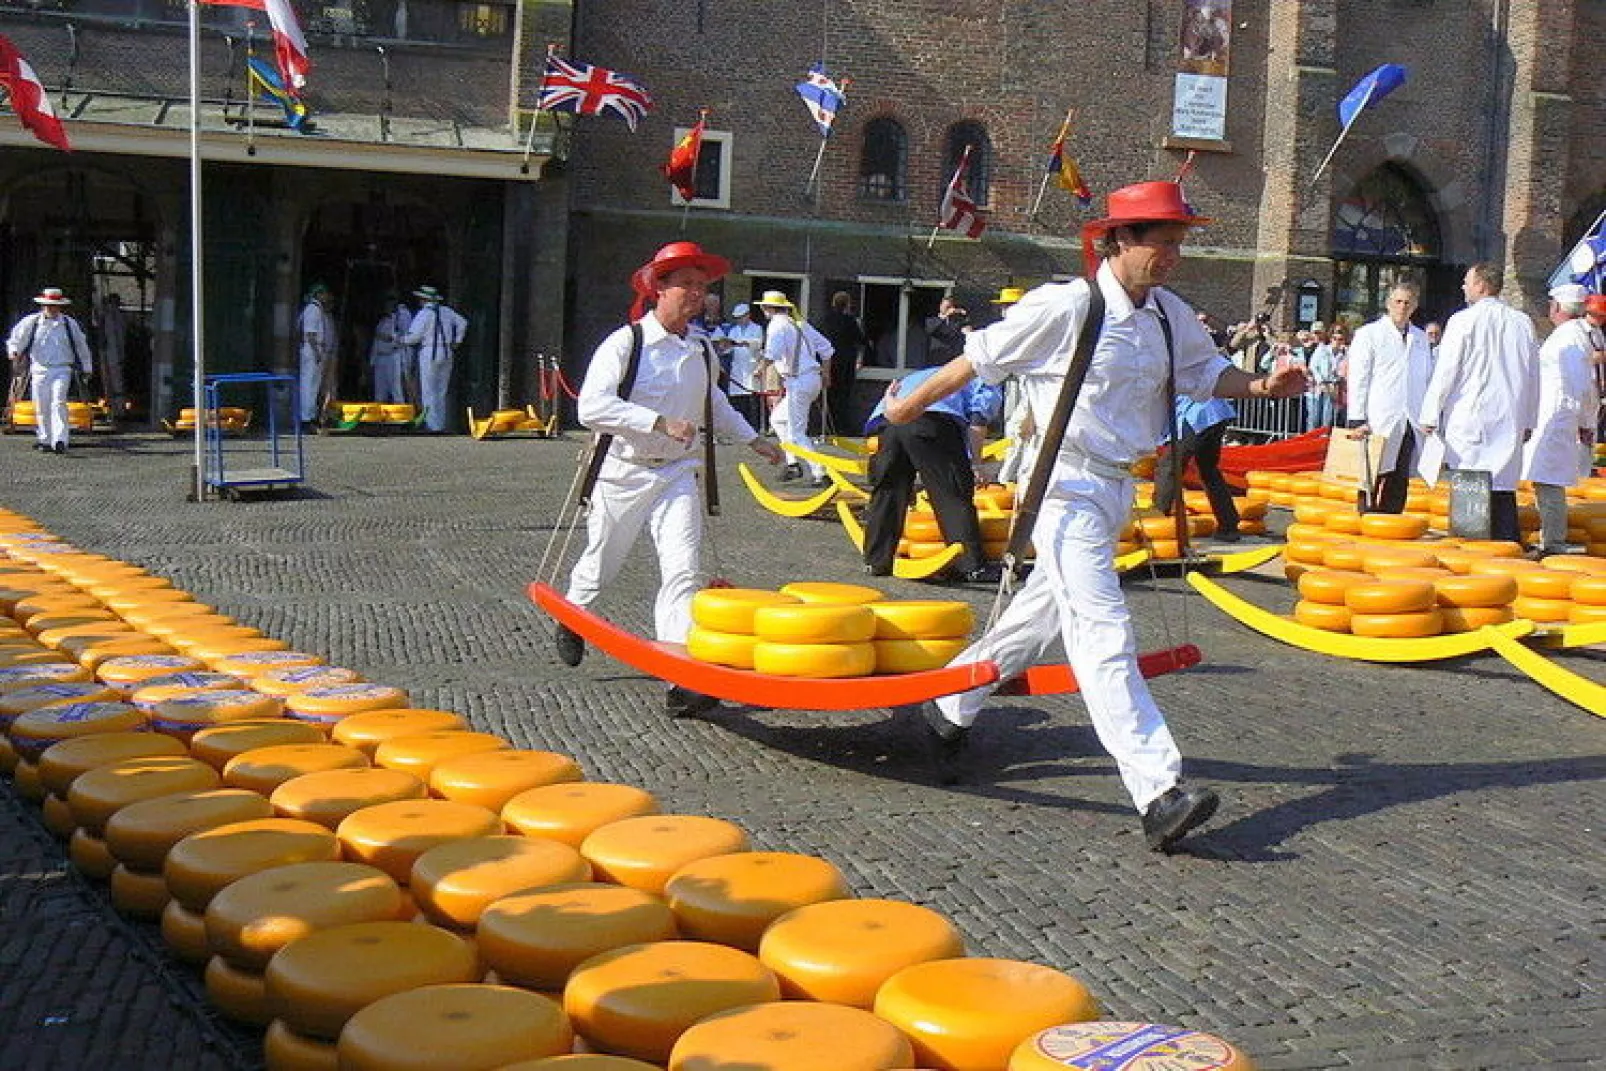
(1386, 231)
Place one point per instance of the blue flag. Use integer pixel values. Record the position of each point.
(822, 97)
(266, 83)
(1586, 264)
(1369, 90)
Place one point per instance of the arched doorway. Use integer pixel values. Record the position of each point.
(1386, 232)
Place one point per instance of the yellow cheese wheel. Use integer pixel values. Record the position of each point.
(1495, 548)
(1431, 574)
(184, 931)
(1588, 590)
(16, 678)
(814, 623)
(157, 607)
(535, 939)
(185, 715)
(1545, 584)
(237, 994)
(98, 794)
(458, 1026)
(841, 951)
(215, 651)
(731, 899)
(264, 769)
(250, 664)
(1305, 553)
(49, 627)
(88, 853)
(921, 527)
(490, 779)
(328, 797)
(57, 816)
(1141, 1047)
(1585, 614)
(638, 1000)
(1399, 555)
(130, 670)
(731, 609)
(16, 703)
(455, 881)
(91, 651)
(328, 704)
(25, 781)
(317, 983)
(1403, 526)
(1348, 557)
(1390, 597)
(1328, 585)
(419, 753)
(202, 864)
(30, 656)
(570, 812)
(1398, 625)
(814, 660)
(1577, 563)
(1471, 618)
(921, 548)
(1475, 589)
(645, 852)
(391, 836)
(913, 656)
(970, 1014)
(146, 602)
(1502, 567)
(287, 682)
(1312, 510)
(1329, 617)
(922, 619)
(51, 602)
(216, 745)
(33, 732)
(734, 649)
(366, 731)
(61, 764)
(284, 1049)
(191, 625)
(1310, 533)
(142, 833)
(1544, 611)
(250, 920)
(139, 894)
(794, 1035)
(818, 592)
(151, 692)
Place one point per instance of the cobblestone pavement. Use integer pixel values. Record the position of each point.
(1406, 872)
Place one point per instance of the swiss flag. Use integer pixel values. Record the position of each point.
(681, 167)
(28, 97)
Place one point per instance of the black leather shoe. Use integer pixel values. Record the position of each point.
(569, 646)
(685, 703)
(60, 448)
(946, 742)
(1232, 536)
(791, 472)
(1182, 808)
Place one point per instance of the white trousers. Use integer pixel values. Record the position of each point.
(434, 380)
(628, 498)
(1075, 594)
(388, 379)
(311, 383)
(791, 418)
(49, 386)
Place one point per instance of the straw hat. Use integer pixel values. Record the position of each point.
(427, 293)
(775, 299)
(1009, 295)
(52, 295)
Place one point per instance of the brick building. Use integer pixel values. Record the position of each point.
(1485, 153)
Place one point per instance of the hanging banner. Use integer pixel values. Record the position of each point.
(1199, 103)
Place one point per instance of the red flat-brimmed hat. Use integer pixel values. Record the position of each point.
(669, 258)
(1141, 202)
(1595, 304)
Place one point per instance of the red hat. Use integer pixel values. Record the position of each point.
(1141, 202)
(670, 257)
(1595, 304)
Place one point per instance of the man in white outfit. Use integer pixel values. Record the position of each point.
(790, 353)
(387, 352)
(648, 480)
(316, 334)
(1558, 454)
(1483, 397)
(1390, 362)
(53, 344)
(436, 332)
(1073, 592)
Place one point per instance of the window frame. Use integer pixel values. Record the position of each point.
(725, 140)
(900, 177)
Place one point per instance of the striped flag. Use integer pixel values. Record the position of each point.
(959, 211)
(28, 97)
(289, 45)
(822, 97)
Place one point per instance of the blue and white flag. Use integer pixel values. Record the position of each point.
(1586, 264)
(1369, 90)
(822, 97)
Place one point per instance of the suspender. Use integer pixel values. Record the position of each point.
(1054, 433)
(710, 477)
(1179, 508)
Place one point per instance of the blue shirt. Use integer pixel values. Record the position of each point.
(974, 403)
(1199, 416)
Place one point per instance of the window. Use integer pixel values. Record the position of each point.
(973, 135)
(713, 170)
(883, 163)
(894, 313)
(1386, 232)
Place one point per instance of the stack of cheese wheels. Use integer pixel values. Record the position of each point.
(329, 797)
(98, 794)
(792, 1034)
(638, 1000)
(250, 920)
(140, 835)
(1544, 595)
(972, 1013)
(921, 536)
(1321, 602)
(1086, 1046)
(250, 664)
(732, 899)
(1470, 601)
(828, 636)
(722, 624)
(127, 672)
(840, 951)
(537, 938)
(1588, 593)
(454, 882)
(391, 836)
(62, 764)
(918, 634)
(1394, 609)
(571, 812)
(470, 1027)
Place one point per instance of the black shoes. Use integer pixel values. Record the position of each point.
(820, 481)
(1229, 536)
(569, 646)
(1182, 808)
(987, 574)
(60, 448)
(684, 703)
(946, 741)
(791, 471)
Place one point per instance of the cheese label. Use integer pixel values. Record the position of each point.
(1106, 1046)
(74, 713)
(313, 674)
(38, 673)
(351, 691)
(150, 661)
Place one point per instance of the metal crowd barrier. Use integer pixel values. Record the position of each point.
(1268, 419)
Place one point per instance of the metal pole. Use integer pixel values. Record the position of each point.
(197, 320)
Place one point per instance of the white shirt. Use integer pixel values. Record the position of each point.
(317, 330)
(1484, 392)
(1568, 403)
(1123, 409)
(746, 337)
(436, 330)
(55, 343)
(671, 381)
(786, 348)
(1388, 378)
(389, 333)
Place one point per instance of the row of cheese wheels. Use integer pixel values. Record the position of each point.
(128, 831)
(380, 412)
(1157, 532)
(80, 415)
(825, 630)
(995, 510)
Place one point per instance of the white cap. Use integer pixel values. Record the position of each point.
(1569, 294)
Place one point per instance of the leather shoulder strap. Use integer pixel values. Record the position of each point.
(599, 448)
(710, 475)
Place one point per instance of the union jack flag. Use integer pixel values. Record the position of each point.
(568, 86)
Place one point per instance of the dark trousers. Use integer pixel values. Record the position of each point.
(839, 399)
(935, 448)
(1503, 516)
(1389, 494)
(1204, 449)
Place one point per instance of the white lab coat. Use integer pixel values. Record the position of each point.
(1568, 403)
(436, 331)
(1484, 391)
(1388, 378)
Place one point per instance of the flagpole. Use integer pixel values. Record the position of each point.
(808, 186)
(529, 142)
(1065, 130)
(1342, 134)
(250, 88)
(197, 321)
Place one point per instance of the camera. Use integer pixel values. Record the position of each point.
(1262, 318)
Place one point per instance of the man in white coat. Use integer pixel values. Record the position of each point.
(316, 336)
(387, 352)
(786, 348)
(1483, 397)
(436, 332)
(52, 344)
(1390, 363)
(1558, 455)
